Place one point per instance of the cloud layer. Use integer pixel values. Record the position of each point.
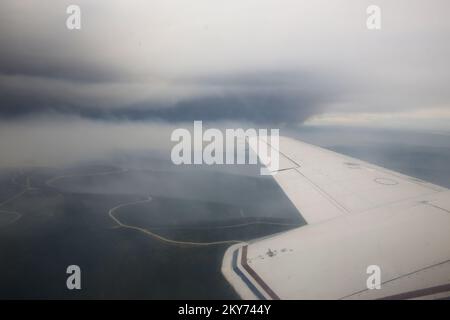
(254, 60)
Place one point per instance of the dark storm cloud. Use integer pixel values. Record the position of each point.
(260, 108)
(255, 60)
(261, 97)
(265, 97)
(59, 68)
(75, 73)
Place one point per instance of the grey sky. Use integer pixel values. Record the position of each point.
(259, 60)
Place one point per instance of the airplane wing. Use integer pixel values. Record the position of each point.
(358, 215)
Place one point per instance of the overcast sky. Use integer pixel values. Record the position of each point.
(256, 60)
(266, 62)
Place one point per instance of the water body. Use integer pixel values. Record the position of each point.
(64, 217)
(67, 222)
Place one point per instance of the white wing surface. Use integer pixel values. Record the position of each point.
(360, 217)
